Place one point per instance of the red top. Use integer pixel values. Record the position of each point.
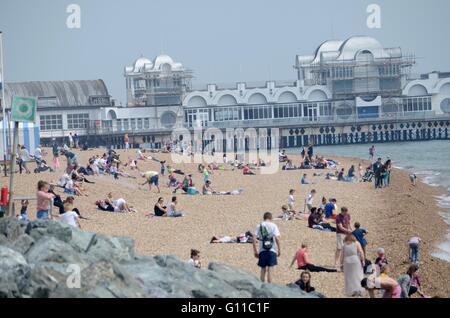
(301, 257)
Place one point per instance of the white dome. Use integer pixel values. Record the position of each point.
(355, 44)
(161, 60)
(141, 63)
(327, 46)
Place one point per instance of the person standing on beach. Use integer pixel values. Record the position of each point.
(43, 200)
(269, 247)
(352, 263)
(371, 152)
(70, 140)
(309, 201)
(343, 228)
(55, 151)
(377, 170)
(126, 141)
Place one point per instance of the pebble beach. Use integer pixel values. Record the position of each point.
(390, 215)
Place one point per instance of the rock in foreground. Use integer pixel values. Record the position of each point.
(47, 259)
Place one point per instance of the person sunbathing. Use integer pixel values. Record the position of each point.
(246, 237)
(247, 171)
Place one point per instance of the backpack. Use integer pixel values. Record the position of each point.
(267, 240)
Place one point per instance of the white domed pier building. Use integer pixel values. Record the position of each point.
(347, 91)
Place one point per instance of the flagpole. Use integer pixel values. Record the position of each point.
(2, 86)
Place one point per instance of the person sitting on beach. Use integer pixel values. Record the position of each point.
(323, 203)
(23, 216)
(360, 234)
(160, 209)
(282, 156)
(391, 288)
(71, 200)
(140, 155)
(246, 171)
(286, 214)
(380, 261)
(304, 179)
(207, 189)
(195, 259)
(246, 237)
(340, 176)
(172, 210)
(316, 221)
(410, 282)
(304, 283)
(289, 166)
(330, 209)
(304, 262)
(69, 216)
(43, 200)
(351, 172)
(72, 188)
(186, 184)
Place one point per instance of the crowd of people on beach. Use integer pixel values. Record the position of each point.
(361, 270)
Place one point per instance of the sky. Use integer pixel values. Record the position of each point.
(221, 41)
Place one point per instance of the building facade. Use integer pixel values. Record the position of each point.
(352, 91)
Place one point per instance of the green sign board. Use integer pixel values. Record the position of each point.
(23, 109)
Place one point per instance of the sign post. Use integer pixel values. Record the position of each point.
(23, 109)
(3, 103)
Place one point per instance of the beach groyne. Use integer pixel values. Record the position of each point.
(42, 259)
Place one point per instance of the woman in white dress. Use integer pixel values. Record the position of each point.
(352, 260)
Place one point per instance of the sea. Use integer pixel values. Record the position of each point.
(429, 160)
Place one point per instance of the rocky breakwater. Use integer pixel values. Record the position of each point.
(47, 259)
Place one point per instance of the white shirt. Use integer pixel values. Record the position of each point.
(69, 184)
(291, 200)
(272, 230)
(171, 209)
(118, 204)
(69, 218)
(310, 199)
(38, 153)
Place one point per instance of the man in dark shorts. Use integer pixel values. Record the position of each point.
(151, 178)
(269, 248)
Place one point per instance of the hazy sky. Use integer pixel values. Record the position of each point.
(222, 41)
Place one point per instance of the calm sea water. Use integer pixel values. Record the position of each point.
(429, 160)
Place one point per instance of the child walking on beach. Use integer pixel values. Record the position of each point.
(291, 201)
(413, 244)
(360, 234)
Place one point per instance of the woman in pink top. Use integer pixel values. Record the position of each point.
(304, 263)
(43, 200)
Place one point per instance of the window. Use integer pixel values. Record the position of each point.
(77, 121)
(125, 124)
(133, 124)
(146, 123)
(139, 124)
(119, 124)
(51, 122)
(415, 104)
(226, 114)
